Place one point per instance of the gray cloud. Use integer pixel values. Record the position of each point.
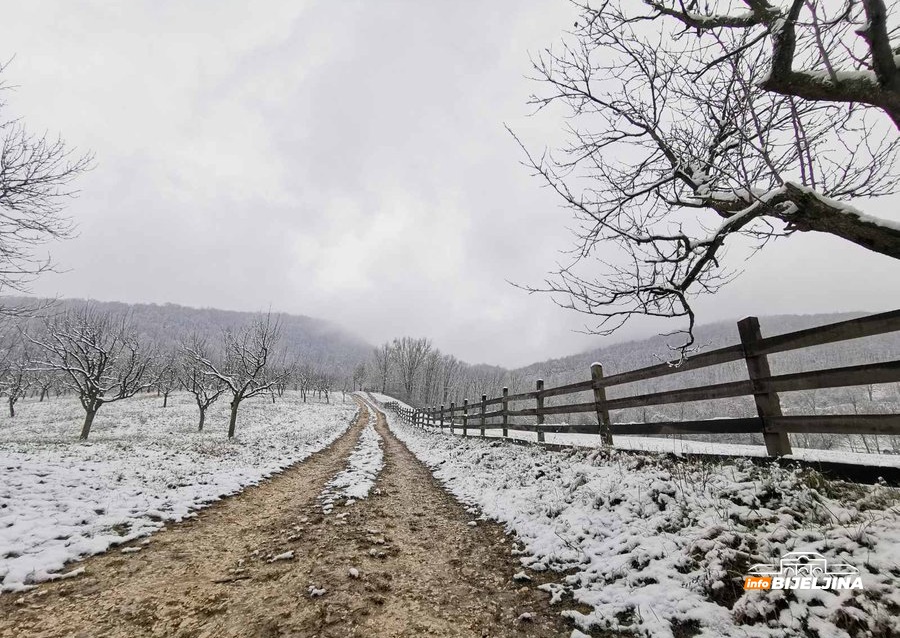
(342, 160)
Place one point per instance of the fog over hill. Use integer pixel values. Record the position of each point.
(328, 346)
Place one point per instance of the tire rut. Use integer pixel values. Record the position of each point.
(422, 569)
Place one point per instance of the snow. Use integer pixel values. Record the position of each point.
(657, 544)
(144, 465)
(289, 555)
(681, 446)
(363, 465)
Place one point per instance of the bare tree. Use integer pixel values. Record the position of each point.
(409, 355)
(381, 364)
(167, 375)
(679, 144)
(193, 377)
(359, 375)
(98, 356)
(815, 50)
(35, 174)
(247, 368)
(17, 376)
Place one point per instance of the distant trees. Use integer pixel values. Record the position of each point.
(359, 375)
(422, 375)
(247, 366)
(35, 174)
(696, 125)
(408, 355)
(97, 355)
(381, 365)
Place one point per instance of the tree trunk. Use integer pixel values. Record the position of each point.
(233, 421)
(165, 399)
(44, 393)
(202, 419)
(88, 421)
(12, 407)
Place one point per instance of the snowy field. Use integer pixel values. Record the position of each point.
(144, 465)
(660, 546)
(363, 465)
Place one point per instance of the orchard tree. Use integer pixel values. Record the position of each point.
(35, 176)
(193, 377)
(167, 374)
(696, 125)
(97, 355)
(18, 375)
(248, 365)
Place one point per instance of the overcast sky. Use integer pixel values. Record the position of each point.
(344, 160)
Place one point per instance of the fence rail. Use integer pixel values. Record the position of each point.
(761, 384)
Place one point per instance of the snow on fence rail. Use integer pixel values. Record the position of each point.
(495, 413)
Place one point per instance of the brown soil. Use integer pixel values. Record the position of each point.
(423, 570)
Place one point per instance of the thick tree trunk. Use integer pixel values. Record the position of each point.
(88, 421)
(233, 421)
(12, 407)
(202, 419)
(44, 393)
(166, 399)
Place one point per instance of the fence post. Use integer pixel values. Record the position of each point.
(483, 406)
(465, 416)
(442, 417)
(539, 386)
(505, 405)
(452, 413)
(767, 403)
(603, 425)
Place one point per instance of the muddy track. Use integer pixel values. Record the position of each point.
(422, 569)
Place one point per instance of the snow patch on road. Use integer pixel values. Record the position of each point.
(660, 546)
(61, 499)
(365, 462)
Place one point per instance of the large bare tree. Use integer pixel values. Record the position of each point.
(692, 125)
(97, 355)
(36, 172)
(248, 365)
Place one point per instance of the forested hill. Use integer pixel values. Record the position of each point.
(631, 355)
(325, 345)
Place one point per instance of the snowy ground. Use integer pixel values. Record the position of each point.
(363, 465)
(61, 499)
(677, 445)
(660, 546)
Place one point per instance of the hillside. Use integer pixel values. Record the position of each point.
(325, 344)
(634, 354)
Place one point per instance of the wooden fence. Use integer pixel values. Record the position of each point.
(495, 413)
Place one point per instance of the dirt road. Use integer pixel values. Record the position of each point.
(422, 569)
